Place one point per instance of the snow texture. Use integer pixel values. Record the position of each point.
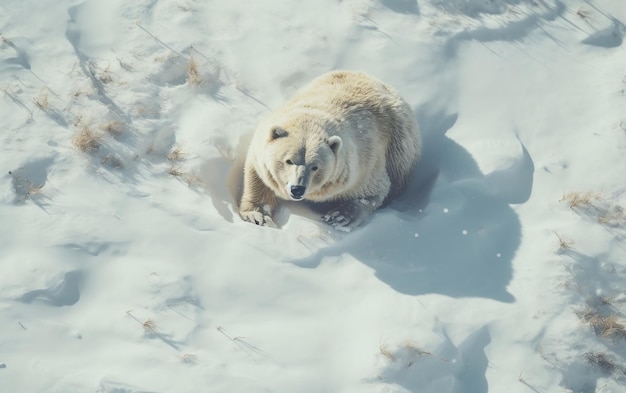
(126, 267)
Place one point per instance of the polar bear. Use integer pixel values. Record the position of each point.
(345, 138)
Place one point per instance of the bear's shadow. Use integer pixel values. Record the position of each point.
(452, 232)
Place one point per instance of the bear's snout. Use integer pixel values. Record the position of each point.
(296, 192)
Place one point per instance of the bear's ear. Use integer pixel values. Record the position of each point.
(335, 143)
(277, 132)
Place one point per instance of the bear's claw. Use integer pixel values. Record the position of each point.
(338, 220)
(258, 218)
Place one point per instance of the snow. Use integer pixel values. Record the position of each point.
(126, 267)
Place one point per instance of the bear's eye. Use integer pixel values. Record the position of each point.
(289, 162)
(314, 168)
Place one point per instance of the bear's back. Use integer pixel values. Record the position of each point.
(341, 92)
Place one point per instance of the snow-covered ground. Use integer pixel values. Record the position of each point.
(126, 268)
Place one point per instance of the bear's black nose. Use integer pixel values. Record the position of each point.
(297, 192)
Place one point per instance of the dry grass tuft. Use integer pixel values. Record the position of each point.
(601, 361)
(114, 128)
(149, 325)
(174, 171)
(383, 348)
(612, 328)
(33, 189)
(41, 100)
(87, 140)
(604, 326)
(564, 244)
(614, 218)
(188, 358)
(105, 77)
(193, 73)
(412, 347)
(191, 179)
(24, 188)
(405, 354)
(175, 154)
(580, 199)
(415, 352)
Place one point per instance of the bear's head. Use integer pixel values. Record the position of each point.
(300, 163)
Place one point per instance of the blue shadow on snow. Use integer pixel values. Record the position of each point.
(452, 232)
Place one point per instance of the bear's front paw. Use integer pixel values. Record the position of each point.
(350, 214)
(257, 217)
(338, 219)
(345, 217)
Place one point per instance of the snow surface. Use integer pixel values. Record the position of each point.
(126, 268)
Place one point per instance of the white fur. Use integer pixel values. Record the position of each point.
(345, 137)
